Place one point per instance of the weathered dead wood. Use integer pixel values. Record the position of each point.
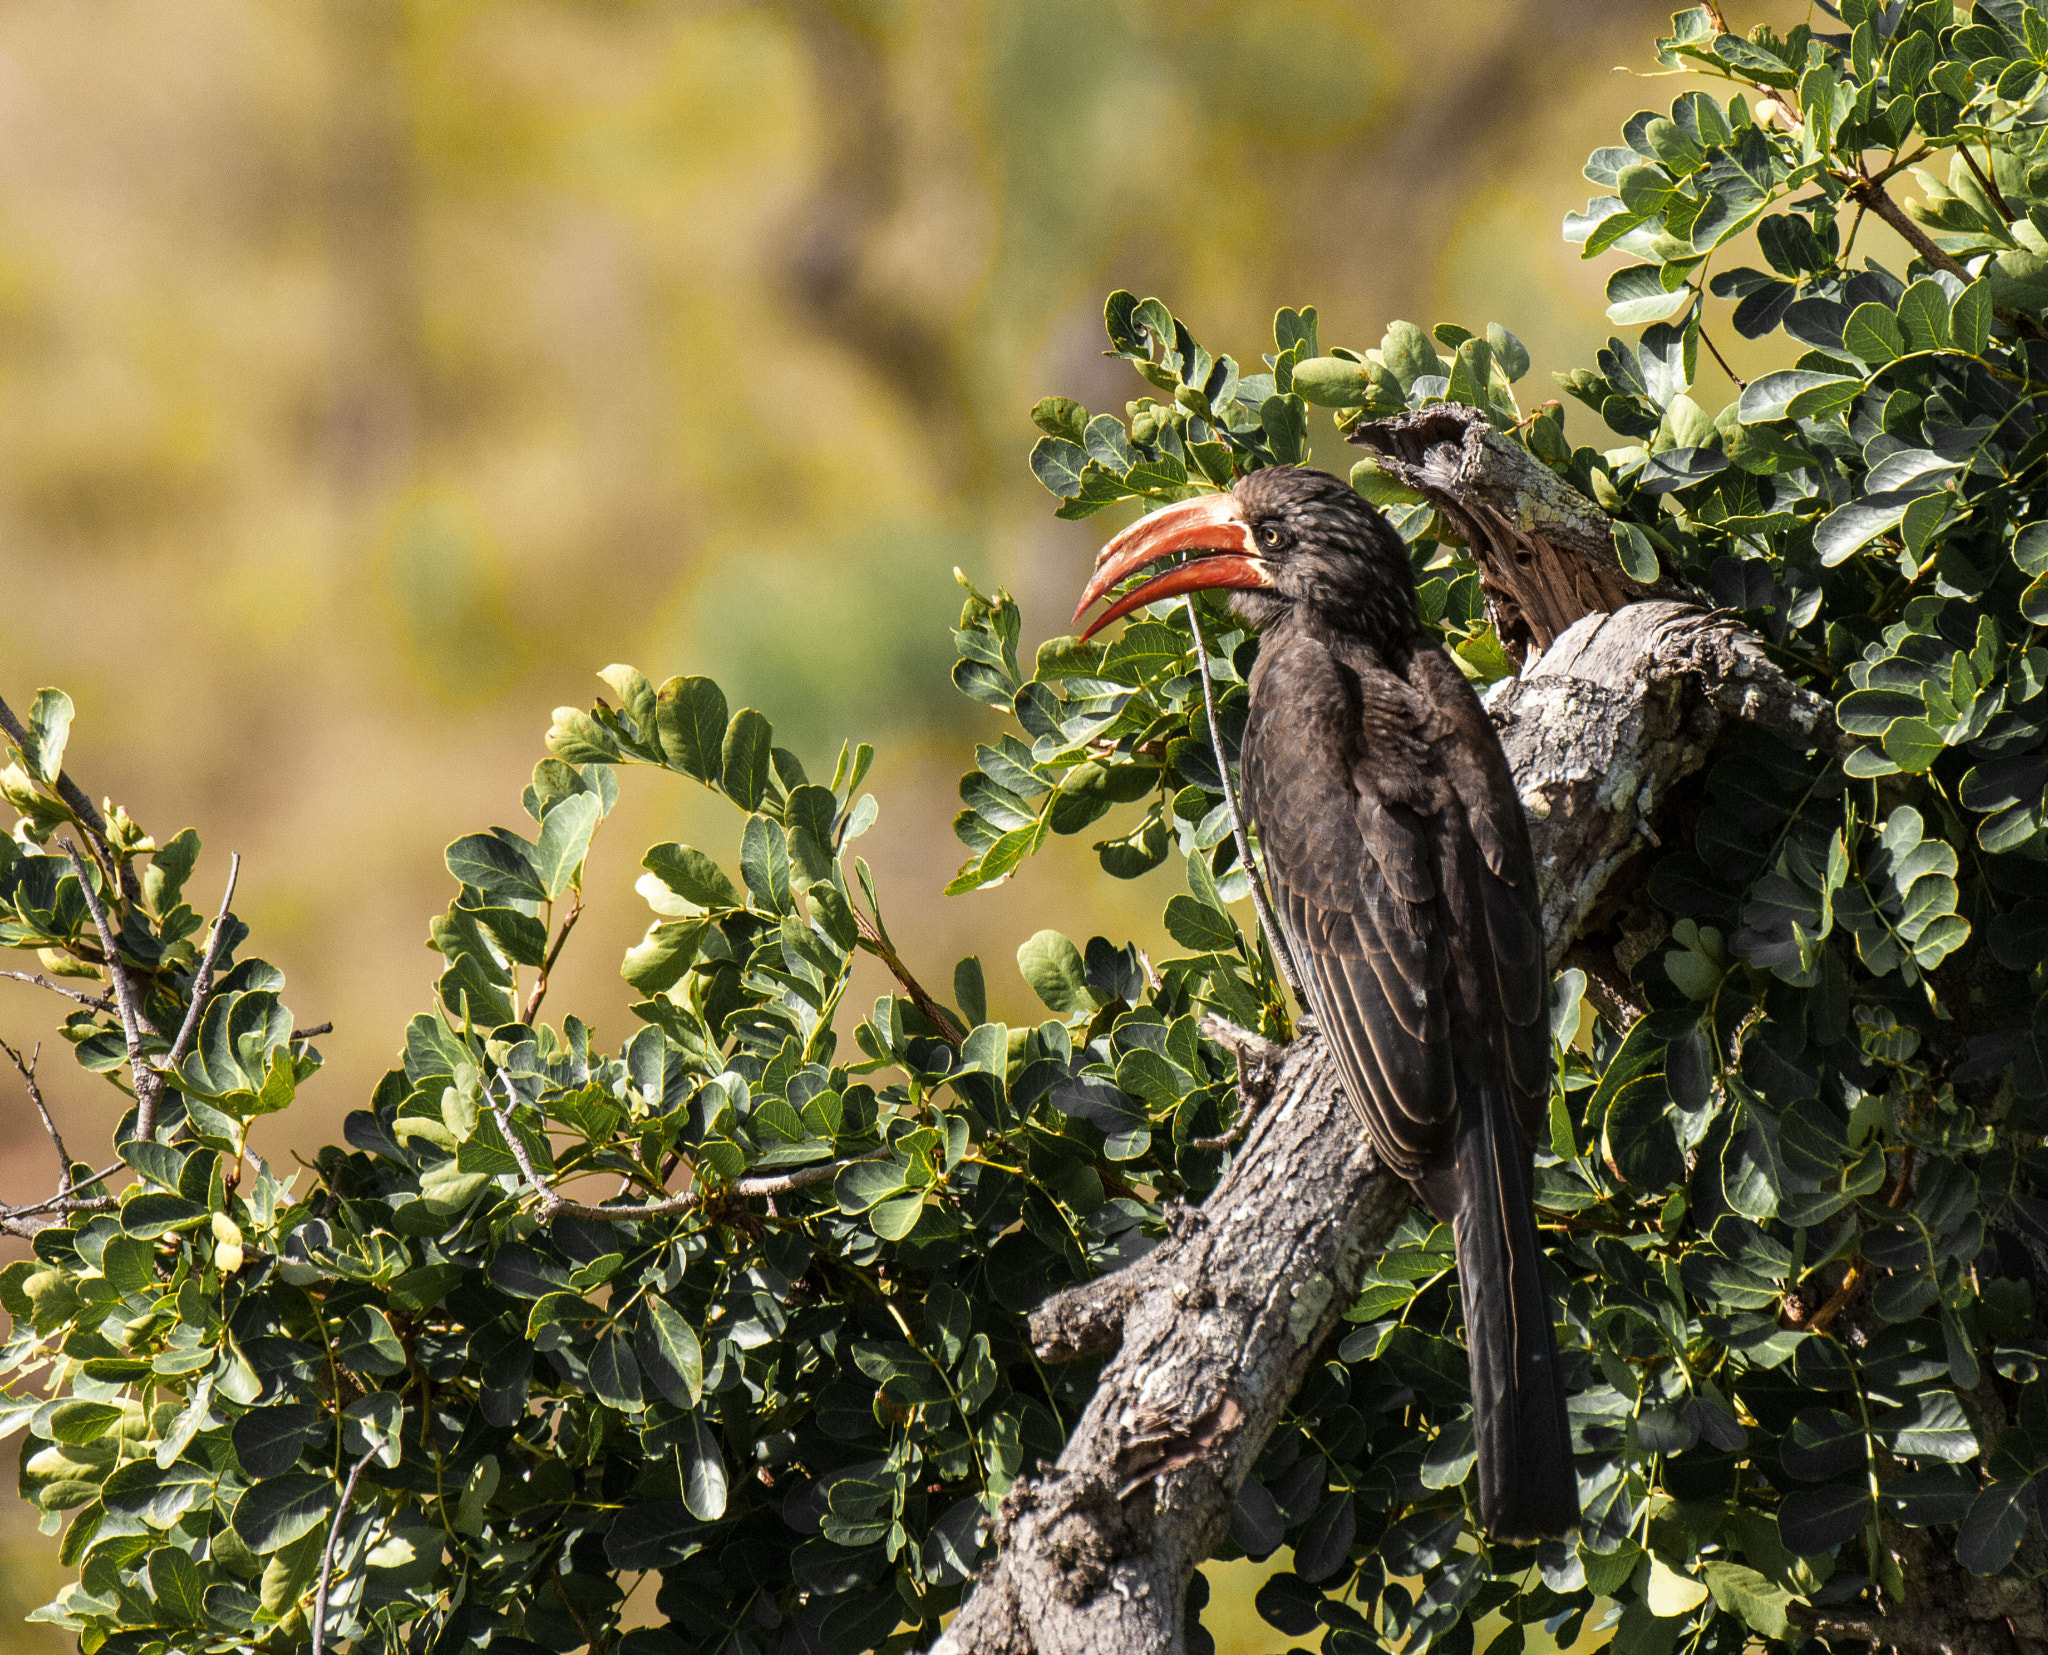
(1619, 711)
(1213, 1331)
(1544, 551)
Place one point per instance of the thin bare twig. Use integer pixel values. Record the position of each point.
(98, 1002)
(1276, 939)
(132, 1019)
(202, 986)
(1258, 1062)
(71, 1201)
(316, 1028)
(540, 987)
(27, 1071)
(1997, 197)
(553, 1204)
(1741, 384)
(348, 1493)
(934, 1013)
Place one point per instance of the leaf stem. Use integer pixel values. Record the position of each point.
(1276, 939)
(540, 987)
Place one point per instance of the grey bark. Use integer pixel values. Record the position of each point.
(1545, 552)
(1214, 1330)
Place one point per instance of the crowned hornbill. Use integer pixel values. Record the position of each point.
(1401, 868)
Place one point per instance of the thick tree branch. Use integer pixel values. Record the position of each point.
(1620, 703)
(1545, 552)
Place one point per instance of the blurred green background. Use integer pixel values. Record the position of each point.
(372, 372)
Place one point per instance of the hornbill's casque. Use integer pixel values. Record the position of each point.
(1401, 870)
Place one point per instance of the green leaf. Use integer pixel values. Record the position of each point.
(564, 837)
(614, 1375)
(1197, 926)
(1932, 1426)
(577, 738)
(1970, 319)
(690, 719)
(1638, 556)
(1057, 974)
(1285, 422)
(745, 757)
(1755, 1600)
(865, 1183)
(1815, 1520)
(375, 1421)
(1991, 1533)
(1056, 417)
(1058, 462)
(276, 1513)
(178, 1584)
(500, 864)
(704, 1487)
(693, 876)
(1924, 316)
(896, 1217)
(1408, 353)
(651, 1535)
(764, 864)
(1872, 332)
(49, 728)
(659, 960)
(1332, 382)
(1510, 355)
(670, 1354)
(1912, 744)
(1636, 294)
(1794, 393)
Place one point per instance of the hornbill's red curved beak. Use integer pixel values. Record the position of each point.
(1212, 526)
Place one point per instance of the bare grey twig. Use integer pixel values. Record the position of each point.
(1276, 939)
(71, 1201)
(1258, 1062)
(27, 1071)
(202, 985)
(133, 1020)
(96, 1002)
(348, 1493)
(547, 965)
(313, 1029)
(553, 1204)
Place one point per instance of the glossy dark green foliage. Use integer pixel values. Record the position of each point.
(1792, 1206)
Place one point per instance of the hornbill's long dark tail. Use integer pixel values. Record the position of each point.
(1527, 1488)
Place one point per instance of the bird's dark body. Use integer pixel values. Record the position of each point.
(1401, 868)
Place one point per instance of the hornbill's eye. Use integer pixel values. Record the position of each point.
(1271, 536)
